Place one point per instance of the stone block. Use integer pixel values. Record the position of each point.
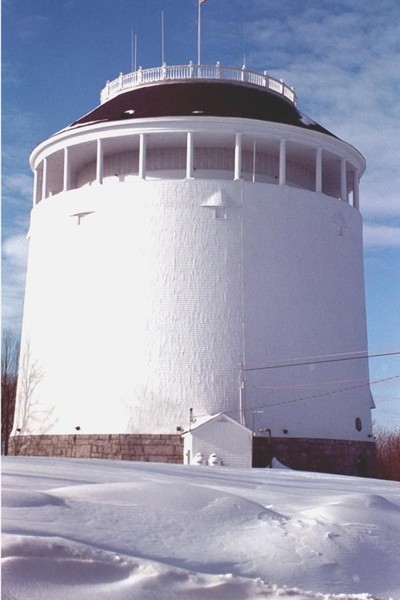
(82, 451)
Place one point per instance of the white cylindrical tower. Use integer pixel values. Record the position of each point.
(195, 242)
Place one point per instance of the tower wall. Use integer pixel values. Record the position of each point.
(184, 265)
(147, 305)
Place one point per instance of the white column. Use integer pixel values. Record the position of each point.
(35, 187)
(282, 162)
(318, 170)
(254, 159)
(238, 157)
(142, 155)
(44, 179)
(356, 191)
(67, 170)
(343, 180)
(189, 155)
(99, 162)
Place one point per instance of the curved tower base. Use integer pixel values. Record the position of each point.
(343, 457)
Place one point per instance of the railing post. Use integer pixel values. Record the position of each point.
(195, 71)
(318, 170)
(44, 179)
(67, 170)
(356, 190)
(189, 155)
(238, 157)
(105, 93)
(282, 162)
(254, 159)
(343, 180)
(99, 161)
(142, 155)
(35, 187)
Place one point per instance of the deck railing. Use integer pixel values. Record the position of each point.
(141, 77)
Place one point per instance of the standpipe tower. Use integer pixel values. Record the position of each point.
(193, 239)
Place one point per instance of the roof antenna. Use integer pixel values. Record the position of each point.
(162, 39)
(244, 60)
(133, 50)
(200, 2)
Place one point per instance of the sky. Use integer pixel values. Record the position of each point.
(341, 56)
(101, 529)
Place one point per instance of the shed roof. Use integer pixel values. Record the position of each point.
(206, 419)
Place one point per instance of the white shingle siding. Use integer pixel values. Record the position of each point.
(147, 304)
(231, 442)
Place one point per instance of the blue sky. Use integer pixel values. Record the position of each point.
(342, 57)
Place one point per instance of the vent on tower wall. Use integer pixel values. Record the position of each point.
(216, 202)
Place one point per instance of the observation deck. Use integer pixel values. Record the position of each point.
(190, 72)
(197, 122)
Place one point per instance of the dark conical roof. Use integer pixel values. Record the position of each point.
(200, 98)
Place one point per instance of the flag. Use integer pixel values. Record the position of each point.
(202, 2)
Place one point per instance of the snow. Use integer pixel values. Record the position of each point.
(117, 530)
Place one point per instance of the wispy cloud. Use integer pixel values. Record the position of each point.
(19, 183)
(31, 26)
(376, 235)
(14, 261)
(342, 59)
(15, 251)
(21, 129)
(381, 203)
(16, 204)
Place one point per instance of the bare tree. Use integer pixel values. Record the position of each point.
(9, 377)
(30, 414)
(388, 453)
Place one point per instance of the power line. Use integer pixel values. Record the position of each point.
(353, 387)
(346, 389)
(310, 361)
(299, 386)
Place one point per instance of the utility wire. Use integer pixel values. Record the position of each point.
(309, 385)
(353, 387)
(310, 361)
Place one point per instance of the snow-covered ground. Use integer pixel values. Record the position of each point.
(111, 530)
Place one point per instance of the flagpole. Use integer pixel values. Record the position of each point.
(135, 54)
(132, 50)
(198, 30)
(162, 38)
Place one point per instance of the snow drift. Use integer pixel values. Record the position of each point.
(123, 531)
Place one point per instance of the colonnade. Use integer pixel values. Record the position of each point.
(43, 175)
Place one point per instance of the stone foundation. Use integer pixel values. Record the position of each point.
(141, 447)
(343, 457)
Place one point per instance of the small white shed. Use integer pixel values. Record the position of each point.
(219, 435)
